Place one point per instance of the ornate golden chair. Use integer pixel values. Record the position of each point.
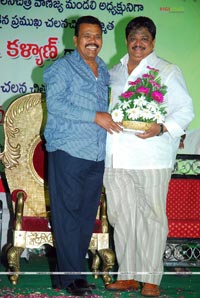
(25, 162)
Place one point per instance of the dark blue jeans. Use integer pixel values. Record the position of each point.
(75, 187)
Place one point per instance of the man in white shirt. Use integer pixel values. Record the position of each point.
(139, 165)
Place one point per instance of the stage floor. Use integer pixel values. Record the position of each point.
(38, 285)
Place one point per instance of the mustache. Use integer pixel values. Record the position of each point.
(138, 47)
(92, 44)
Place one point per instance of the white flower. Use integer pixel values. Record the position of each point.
(117, 115)
(153, 106)
(133, 113)
(125, 105)
(146, 114)
(140, 102)
(158, 117)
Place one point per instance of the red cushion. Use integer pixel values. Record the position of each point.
(183, 200)
(183, 208)
(37, 224)
(184, 228)
(41, 224)
(40, 160)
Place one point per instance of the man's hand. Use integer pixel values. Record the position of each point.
(104, 120)
(153, 131)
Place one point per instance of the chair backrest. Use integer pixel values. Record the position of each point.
(24, 152)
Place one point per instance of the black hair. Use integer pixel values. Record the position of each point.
(86, 20)
(140, 22)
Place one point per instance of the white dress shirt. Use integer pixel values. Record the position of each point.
(126, 150)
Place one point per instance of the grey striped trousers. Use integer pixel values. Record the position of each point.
(136, 201)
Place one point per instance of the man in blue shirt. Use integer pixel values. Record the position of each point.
(75, 133)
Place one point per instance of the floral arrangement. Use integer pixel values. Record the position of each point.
(143, 101)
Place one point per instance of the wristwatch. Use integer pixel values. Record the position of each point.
(161, 130)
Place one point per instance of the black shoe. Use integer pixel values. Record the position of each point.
(79, 287)
(89, 285)
(92, 285)
(57, 287)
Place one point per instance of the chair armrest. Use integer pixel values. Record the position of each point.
(20, 198)
(103, 215)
